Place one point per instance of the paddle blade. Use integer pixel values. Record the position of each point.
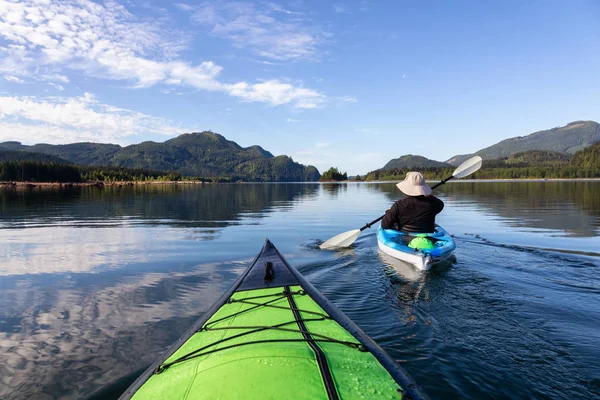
(468, 167)
(341, 240)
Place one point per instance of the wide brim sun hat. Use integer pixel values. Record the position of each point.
(414, 185)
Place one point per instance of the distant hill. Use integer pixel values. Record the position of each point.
(523, 165)
(11, 146)
(567, 139)
(79, 153)
(413, 161)
(10, 156)
(588, 157)
(203, 154)
(531, 158)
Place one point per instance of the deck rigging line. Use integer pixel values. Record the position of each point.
(310, 337)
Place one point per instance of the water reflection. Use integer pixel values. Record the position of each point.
(87, 325)
(334, 189)
(568, 207)
(55, 250)
(95, 284)
(206, 206)
(62, 234)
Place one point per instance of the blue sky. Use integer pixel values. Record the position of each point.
(349, 84)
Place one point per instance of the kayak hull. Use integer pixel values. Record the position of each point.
(393, 243)
(273, 335)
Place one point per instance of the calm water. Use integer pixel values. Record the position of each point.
(96, 283)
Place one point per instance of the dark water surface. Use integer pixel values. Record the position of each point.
(96, 283)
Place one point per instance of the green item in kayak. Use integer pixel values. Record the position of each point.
(421, 242)
(272, 335)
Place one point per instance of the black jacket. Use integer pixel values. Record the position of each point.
(413, 214)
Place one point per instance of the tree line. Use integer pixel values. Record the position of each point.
(36, 171)
(567, 172)
(532, 164)
(333, 174)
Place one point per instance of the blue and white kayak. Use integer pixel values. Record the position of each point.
(395, 243)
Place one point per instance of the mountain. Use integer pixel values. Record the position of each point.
(413, 162)
(531, 158)
(78, 153)
(567, 139)
(202, 154)
(588, 157)
(11, 156)
(537, 158)
(13, 146)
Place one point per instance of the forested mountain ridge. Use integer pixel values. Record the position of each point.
(17, 156)
(414, 161)
(570, 138)
(524, 165)
(12, 146)
(202, 154)
(84, 153)
(531, 158)
(588, 157)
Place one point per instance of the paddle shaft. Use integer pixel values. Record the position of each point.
(380, 218)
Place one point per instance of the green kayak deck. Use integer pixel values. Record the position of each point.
(273, 336)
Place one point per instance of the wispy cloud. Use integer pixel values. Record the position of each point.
(276, 93)
(14, 79)
(106, 41)
(293, 121)
(64, 119)
(322, 145)
(57, 86)
(347, 99)
(54, 78)
(367, 131)
(364, 6)
(340, 8)
(266, 29)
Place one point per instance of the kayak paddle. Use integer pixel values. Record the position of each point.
(347, 238)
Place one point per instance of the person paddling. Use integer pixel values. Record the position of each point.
(416, 212)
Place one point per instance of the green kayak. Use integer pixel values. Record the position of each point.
(274, 336)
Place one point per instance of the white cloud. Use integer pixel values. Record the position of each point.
(184, 7)
(347, 99)
(71, 119)
(54, 77)
(14, 79)
(293, 121)
(340, 9)
(265, 29)
(57, 86)
(321, 145)
(106, 41)
(276, 93)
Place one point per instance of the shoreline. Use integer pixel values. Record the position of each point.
(477, 180)
(100, 184)
(31, 185)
